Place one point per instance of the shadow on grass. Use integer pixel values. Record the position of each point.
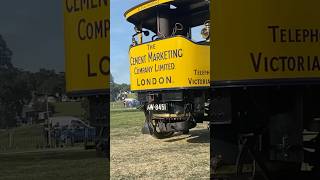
(199, 136)
(195, 136)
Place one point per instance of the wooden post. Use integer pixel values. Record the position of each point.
(10, 139)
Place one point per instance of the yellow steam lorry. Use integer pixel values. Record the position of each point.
(170, 72)
(259, 89)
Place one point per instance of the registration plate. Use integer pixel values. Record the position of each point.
(157, 107)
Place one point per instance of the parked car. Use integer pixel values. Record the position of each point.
(130, 102)
(69, 130)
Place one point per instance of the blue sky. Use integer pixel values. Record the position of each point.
(121, 32)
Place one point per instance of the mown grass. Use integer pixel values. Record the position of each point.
(116, 105)
(53, 165)
(26, 161)
(22, 138)
(137, 156)
(30, 137)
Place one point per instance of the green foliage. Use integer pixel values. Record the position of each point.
(47, 82)
(17, 86)
(14, 88)
(5, 55)
(115, 89)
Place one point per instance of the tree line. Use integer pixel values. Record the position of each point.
(116, 88)
(17, 86)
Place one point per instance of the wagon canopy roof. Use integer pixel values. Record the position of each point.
(196, 12)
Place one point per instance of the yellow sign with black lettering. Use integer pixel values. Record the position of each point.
(169, 63)
(265, 40)
(87, 42)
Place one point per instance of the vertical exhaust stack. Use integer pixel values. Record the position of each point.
(163, 21)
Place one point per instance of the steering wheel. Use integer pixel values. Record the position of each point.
(177, 27)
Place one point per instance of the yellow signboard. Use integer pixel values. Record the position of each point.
(170, 63)
(265, 40)
(87, 42)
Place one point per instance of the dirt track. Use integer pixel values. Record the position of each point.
(137, 156)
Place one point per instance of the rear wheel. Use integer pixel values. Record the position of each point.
(162, 135)
(155, 129)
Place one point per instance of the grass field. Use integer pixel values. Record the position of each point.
(53, 165)
(116, 105)
(30, 137)
(22, 138)
(137, 156)
(68, 109)
(26, 161)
